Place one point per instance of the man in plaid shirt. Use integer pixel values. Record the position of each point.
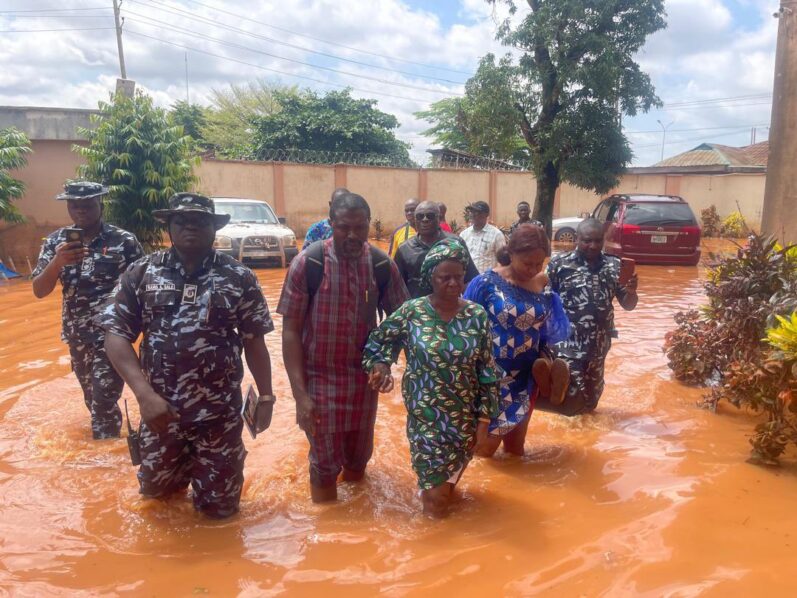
(322, 342)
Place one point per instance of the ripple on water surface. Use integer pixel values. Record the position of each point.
(633, 499)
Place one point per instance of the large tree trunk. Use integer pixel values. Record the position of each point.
(547, 184)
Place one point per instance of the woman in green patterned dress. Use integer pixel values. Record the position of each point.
(450, 385)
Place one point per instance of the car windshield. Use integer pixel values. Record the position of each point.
(658, 214)
(258, 213)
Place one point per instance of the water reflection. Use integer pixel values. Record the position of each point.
(650, 495)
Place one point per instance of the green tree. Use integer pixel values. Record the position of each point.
(228, 125)
(334, 122)
(142, 156)
(484, 122)
(449, 124)
(575, 76)
(14, 149)
(192, 118)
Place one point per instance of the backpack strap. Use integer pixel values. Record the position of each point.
(314, 267)
(380, 262)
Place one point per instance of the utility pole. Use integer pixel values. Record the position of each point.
(779, 216)
(663, 136)
(118, 22)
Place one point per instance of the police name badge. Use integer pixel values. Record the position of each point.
(189, 294)
(165, 286)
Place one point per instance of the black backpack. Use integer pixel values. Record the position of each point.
(314, 273)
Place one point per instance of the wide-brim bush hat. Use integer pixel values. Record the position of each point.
(185, 203)
(82, 190)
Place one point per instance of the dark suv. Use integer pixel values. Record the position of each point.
(651, 229)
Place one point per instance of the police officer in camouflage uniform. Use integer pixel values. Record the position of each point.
(88, 272)
(198, 310)
(588, 280)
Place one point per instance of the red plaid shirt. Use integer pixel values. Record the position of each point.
(335, 330)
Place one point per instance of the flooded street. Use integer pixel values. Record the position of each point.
(651, 496)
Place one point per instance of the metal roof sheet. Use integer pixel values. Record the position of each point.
(715, 154)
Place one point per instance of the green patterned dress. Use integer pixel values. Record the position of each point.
(449, 382)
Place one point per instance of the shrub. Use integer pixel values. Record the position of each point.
(379, 229)
(711, 221)
(734, 226)
(14, 150)
(142, 156)
(742, 345)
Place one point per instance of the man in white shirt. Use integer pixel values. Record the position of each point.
(483, 240)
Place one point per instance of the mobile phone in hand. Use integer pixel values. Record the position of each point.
(74, 235)
(627, 268)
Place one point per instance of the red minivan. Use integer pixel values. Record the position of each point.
(651, 229)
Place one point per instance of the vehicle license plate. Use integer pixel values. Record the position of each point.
(658, 238)
(256, 253)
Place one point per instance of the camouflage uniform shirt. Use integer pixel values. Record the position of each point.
(87, 285)
(587, 295)
(193, 326)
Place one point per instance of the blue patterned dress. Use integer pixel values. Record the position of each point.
(319, 231)
(522, 322)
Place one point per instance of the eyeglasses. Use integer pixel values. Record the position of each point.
(425, 216)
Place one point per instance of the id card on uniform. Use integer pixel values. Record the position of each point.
(189, 294)
(256, 412)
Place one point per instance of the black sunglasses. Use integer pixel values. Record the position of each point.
(425, 216)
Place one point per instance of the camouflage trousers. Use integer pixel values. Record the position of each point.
(586, 377)
(101, 386)
(586, 386)
(209, 456)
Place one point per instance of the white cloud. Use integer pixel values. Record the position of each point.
(704, 53)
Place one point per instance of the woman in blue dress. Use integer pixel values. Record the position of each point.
(524, 319)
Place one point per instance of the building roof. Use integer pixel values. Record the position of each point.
(733, 159)
(47, 123)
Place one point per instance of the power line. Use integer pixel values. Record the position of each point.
(301, 62)
(54, 30)
(61, 17)
(677, 141)
(318, 39)
(53, 10)
(674, 104)
(211, 22)
(717, 106)
(263, 68)
(695, 129)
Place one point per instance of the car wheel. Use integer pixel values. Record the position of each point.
(565, 235)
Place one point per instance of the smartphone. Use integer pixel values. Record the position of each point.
(73, 235)
(627, 268)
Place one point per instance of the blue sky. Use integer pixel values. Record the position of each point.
(405, 54)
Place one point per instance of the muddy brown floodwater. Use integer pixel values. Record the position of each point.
(651, 496)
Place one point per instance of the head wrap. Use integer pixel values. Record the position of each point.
(444, 250)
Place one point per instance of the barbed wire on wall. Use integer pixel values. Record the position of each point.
(445, 158)
(302, 156)
(446, 161)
